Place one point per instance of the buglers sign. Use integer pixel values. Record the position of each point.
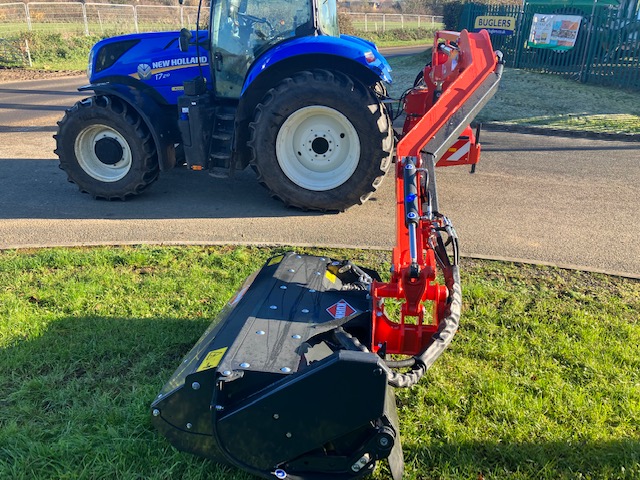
(495, 25)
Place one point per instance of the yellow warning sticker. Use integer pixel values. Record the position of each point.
(330, 276)
(212, 359)
(275, 260)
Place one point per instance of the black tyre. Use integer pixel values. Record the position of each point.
(106, 149)
(320, 141)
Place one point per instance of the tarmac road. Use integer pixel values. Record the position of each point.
(565, 201)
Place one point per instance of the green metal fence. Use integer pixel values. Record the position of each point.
(606, 50)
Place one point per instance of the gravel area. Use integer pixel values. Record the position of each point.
(17, 74)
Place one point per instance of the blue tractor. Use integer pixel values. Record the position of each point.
(270, 83)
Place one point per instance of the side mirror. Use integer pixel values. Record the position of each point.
(183, 39)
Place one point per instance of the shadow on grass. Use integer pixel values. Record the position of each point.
(75, 396)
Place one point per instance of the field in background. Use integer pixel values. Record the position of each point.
(542, 380)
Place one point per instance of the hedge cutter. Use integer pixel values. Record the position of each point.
(295, 379)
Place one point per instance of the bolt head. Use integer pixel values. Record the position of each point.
(296, 337)
(156, 412)
(305, 310)
(288, 435)
(245, 365)
(226, 373)
(285, 369)
(195, 386)
(189, 426)
(260, 332)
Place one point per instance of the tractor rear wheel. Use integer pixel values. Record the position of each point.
(321, 141)
(106, 148)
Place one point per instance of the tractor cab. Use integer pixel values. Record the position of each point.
(242, 30)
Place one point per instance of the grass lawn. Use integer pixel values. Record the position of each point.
(541, 382)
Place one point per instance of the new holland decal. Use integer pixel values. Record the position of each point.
(159, 68)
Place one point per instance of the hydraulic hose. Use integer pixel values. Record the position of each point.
(440, 340)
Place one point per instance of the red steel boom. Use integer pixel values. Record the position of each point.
(462, 77)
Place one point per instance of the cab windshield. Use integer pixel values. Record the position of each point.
(244, 29)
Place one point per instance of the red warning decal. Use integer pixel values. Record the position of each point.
(341, 309)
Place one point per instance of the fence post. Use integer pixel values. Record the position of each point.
(365, 23)
(583, 76)
(135, 18)
(28, 15)
(520, 25)
(181, 16)
(402, 21)
(26, 43)
(384, 22)
(84, 17)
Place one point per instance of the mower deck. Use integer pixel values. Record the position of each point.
(281, 385)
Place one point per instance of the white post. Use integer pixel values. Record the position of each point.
(135, 18)
(84, 17)
(27, 13)
(384, 22)
(366, 28)
(26, 43)
(100, 22)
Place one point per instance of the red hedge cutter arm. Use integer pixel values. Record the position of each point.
(292, 380)
(462, 77)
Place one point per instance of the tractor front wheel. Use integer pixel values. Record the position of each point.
(106, 149)
(321, 141)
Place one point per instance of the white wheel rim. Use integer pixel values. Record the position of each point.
(85, 150)
(318, 148)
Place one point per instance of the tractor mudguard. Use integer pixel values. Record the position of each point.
(163, 127)
(343, 53)
(278, 387)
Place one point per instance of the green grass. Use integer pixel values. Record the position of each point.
(543, 100)
(541, 382)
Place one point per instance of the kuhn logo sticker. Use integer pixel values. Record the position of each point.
(341, 310)
(144, 71)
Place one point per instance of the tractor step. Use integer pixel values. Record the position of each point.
(284, 355)
(222, 141)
